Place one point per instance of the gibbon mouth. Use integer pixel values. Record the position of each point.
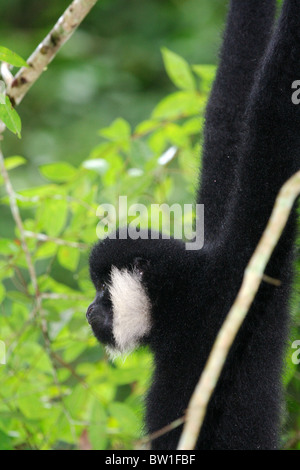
(99, 313)
(100, 320)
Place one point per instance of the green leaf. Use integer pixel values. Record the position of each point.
(6, 443)
(127, 420)
(193, 126)
(43, 192)
(176, 135)
(121, 376)
(46, 250)
(158, 141)
(179, 104)
(52, 216)
(119, 131)
(30, 403)
(97, 428)
(76, 401)
(104, 150)
(73, 351)
(6, 55)
(146, 127)
(10, 117)
(68, 257)
(178, 70)
(289, 372)
(2, 292)
(60, 171)
(19, 297)
(14, 162)
(139, 153)
(207, 74)
(8, 247)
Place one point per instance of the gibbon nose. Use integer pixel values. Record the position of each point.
(89, 312)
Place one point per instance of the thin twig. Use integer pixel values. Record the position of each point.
(151, 437)
(271, 280)
(57, 197)
(17, 218)
(58, 241)
(54, 296)
(52, 358)
(38, 297)
(48, 48)
(251, 282)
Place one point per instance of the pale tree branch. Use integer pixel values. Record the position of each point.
(6, 74)
(251, 282)
(48, 48)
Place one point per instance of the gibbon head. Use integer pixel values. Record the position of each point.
(136, 283)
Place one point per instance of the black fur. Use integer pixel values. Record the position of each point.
(252, 146)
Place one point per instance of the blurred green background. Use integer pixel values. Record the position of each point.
(112, 67)
(58, 390)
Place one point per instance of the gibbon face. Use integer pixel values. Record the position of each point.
(120, 315)
(136, 283)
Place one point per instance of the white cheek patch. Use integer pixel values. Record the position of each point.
(131, 309)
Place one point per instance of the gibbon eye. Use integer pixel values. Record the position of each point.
(140, 265)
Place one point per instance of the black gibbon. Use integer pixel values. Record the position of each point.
(155, 292)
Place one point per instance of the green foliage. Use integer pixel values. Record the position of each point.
(11, 57)
(10, 117)
(178, 70)
(58, 389)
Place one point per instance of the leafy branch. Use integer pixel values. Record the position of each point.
(18, 220)
(16, 89)
(48, 48)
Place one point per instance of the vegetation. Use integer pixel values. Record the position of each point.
(58, 389)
